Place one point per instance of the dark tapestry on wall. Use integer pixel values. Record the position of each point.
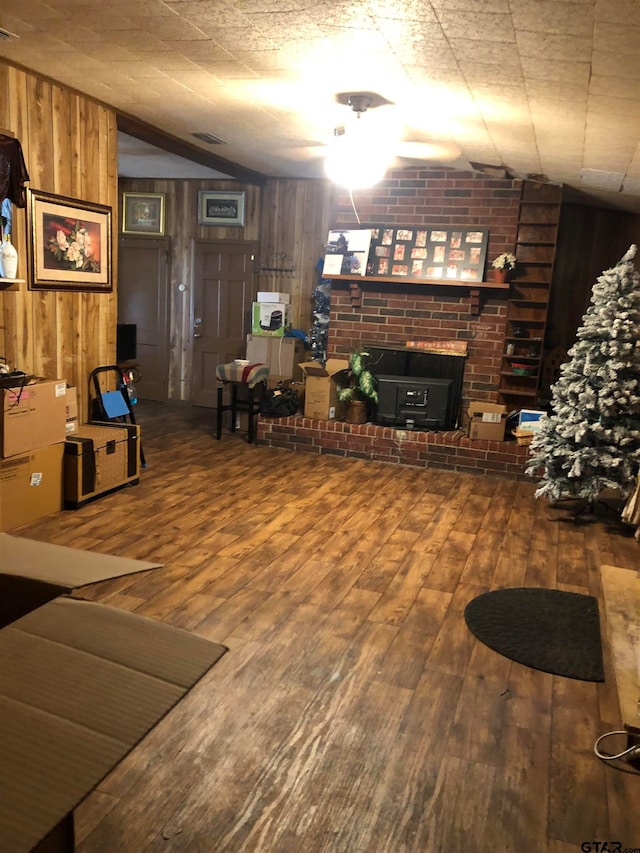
(451, 252)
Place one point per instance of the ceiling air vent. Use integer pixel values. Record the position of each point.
(209, 138)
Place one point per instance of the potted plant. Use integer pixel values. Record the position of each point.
(503, 265)
(361, 391)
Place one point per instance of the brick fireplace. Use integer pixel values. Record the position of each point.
(394, 313)
(390, 314)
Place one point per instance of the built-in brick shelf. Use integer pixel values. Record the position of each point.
(451, 450)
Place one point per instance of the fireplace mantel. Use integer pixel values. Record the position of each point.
(474, 287)
(440, 282)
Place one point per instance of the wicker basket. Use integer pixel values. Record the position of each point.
(356, 412)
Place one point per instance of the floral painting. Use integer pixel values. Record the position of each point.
(70, 243)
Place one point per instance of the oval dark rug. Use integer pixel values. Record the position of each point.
(546, 629)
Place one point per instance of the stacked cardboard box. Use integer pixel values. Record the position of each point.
(272, 319)
(487, 421)
(271, 314)
(281, 355)
(33, 428)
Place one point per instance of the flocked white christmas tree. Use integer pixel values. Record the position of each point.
(591, 440)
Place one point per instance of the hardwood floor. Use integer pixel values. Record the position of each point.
(354, 711)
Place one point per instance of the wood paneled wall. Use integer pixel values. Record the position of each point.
(590, 240)
(289, 218)
(70, 148)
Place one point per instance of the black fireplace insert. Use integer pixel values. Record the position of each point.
(416, 389)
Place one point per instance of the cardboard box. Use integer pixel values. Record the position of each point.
(281, 355)
(487, 421)
(30, 486)
(523, 436)
(98, 459)
(321, 388)
(270, 296)
(32, 573)
(71, 411)
(270, 318)
(81, 684)
(530, 419)
(33, 416)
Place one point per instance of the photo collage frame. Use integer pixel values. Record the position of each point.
(432, 254)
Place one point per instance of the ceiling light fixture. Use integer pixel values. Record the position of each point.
(359, 154)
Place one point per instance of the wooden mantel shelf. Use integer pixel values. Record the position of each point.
(401, 279)
(8, 283)
(474, 287)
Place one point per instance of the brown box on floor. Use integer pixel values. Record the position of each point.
(487, 421)
(81, 684)
(33, 416)
(32, 573)
(99, 458)
(30, 486)
(321, 388)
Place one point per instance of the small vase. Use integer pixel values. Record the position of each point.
(501, 276)
(9, 257)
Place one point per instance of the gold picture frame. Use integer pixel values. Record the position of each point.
(143, 213)
(69, 243)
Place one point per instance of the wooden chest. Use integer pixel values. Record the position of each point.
(100, 458)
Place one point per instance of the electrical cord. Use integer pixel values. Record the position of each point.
(631, 751)
(353, 205)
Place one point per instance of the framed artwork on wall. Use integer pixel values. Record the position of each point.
(452, 252)
(143, 213)
(69, 243)
(220, 208)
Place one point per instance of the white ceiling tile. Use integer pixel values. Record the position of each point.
(557, 90)
(623, 108)
(469, 25)
(468, 51)
(476, 74)
(410, 10)
(562, 48)
(553, 17)
(616, 38)
(476, 7)
(562, 71)
(621, 12)
(609, 64)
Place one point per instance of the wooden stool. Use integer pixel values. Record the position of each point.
(249, 376)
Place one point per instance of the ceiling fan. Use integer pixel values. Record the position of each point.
(372, 138)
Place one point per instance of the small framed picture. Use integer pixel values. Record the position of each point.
(220, 208)
(143, 213)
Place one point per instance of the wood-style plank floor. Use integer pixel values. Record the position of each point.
(354, 711)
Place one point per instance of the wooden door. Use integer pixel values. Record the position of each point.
(224, 287)
(143, 288)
